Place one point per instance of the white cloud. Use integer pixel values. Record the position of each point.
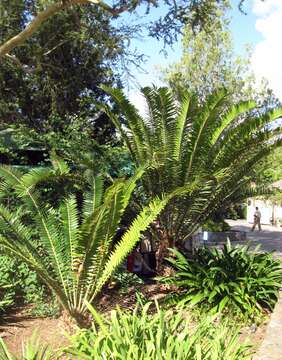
(262, 8)
(267, 55)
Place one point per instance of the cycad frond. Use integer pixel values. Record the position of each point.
(162, 110)
(200, 130)
(35, 177)
(59, 165)
(138, 128)
(130, 238)
(93, 198)
(233, 114)
(69, 218)
(189, 141)
(180, 126)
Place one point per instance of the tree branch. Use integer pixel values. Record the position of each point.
(15, 60)
(44, 15)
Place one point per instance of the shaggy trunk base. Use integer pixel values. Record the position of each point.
(75, 320)
(165, 242)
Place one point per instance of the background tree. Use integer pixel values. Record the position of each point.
(208, 62)
(57, 73)
(49, 88)
(196, 13)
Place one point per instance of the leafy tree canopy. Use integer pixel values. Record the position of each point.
(197, 13)
(208, 62)
(57, 72)
(50, 85)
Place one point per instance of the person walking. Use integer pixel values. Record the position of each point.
(257, 217)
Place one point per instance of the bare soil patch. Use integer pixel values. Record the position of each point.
(17, 326)
(254, 335)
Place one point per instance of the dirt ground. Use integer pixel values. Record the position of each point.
(18, 326)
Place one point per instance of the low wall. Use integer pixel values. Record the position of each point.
(210, 238)
(220, 237)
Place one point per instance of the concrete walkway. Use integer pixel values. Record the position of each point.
(271, 347)
(270, 238)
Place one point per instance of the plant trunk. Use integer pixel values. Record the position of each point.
(166, 241)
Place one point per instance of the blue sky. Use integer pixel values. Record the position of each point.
(243, 31)
(261, 28)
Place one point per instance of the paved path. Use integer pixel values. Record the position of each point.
(271, 347)
(270, 238)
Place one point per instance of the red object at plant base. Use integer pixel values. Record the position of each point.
(130, 262)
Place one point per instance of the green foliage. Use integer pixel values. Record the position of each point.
(18, 283)
(233, 280)
(32, 350)
(63, 66)
(213, 226)
(211, 146)
(6, 296)
(125, 280)
(49, 86)
(208, 62)
(49, 307)
(143, 334)
(73, 253)
(236, 212)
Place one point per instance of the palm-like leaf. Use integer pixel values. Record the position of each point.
(211, 143)
(74, 252)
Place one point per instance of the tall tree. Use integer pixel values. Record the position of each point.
(208, 62)
(49, 87)
(56, 74)
(197, 13)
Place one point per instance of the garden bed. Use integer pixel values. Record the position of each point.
(18, 325)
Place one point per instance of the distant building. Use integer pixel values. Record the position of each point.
(271, 213)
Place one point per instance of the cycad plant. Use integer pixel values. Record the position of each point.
(210, 143)
(71, 246)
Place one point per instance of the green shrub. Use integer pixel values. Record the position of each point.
(18, 284)
(6, 296)
(216, 226)
(234, 279)
(125, 280)
(236, 211)
(49, 307)
(165, 334)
